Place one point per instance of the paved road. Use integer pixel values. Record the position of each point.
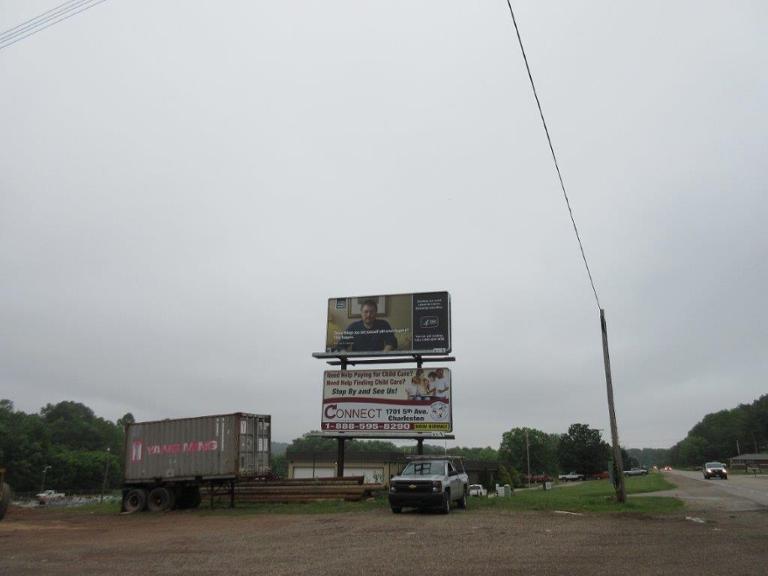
(738, 493)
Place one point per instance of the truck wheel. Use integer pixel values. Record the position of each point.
(396, 509)
(160, 500)
(135, 500)
(463, 502)
(446, 506)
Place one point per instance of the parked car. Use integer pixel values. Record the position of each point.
(477, 490)
(600, 476)
(570, 477)
(539, 478)
(712, 469)
(636, 472)
(48, 496)
(430, 482)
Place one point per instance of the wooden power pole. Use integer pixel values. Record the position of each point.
(618, 464)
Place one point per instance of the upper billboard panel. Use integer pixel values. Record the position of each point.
(394, 324)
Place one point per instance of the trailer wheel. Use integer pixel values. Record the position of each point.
(135, 500)
(160, 499)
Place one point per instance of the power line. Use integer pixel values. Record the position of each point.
(49, 18)
(37, 19)
(554, 156)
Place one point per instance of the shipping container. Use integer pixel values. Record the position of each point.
(167, 461)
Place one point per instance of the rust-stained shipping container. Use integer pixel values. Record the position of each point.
(167, 461)
(209, 447)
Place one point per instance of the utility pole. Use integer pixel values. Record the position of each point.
(528, 456)
(618, 465)
(42, 484)
(106, 472)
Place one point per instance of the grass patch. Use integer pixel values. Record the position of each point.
(592, 496)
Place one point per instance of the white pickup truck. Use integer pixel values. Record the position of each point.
(430, 482)
(571, 477)
(47, 496)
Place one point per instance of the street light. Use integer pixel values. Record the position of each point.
(42, 484)
(106, 471)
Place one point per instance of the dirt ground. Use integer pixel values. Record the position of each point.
(699, 539)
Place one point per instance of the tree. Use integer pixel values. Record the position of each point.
(628, 460)
(723, 434)
(583, 450)
(542, 449)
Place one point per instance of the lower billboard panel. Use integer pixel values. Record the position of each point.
(398, 401)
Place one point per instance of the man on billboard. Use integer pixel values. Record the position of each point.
(369, 334)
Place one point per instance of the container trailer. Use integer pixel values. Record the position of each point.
(167, 462)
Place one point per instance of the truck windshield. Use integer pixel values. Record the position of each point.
(426, 468)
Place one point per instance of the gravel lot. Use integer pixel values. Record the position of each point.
(700, 539)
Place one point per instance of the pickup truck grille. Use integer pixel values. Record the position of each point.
(417, 487)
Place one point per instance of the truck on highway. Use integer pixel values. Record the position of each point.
(168, 462)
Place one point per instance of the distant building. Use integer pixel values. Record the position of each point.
(750, 461)
(375, 467)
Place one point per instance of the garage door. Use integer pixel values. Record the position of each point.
(313, 472)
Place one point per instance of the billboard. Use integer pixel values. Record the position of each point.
(404, 400)
(393, 324)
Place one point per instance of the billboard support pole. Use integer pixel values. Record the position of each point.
(420, 446)
(340, 440)
(340, 458)
(618, 466)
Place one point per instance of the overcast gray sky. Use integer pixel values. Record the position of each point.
(184, 184)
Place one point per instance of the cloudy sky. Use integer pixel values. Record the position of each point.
(184, 184)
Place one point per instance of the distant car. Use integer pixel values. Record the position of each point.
(48, 496)
(636, 472)
(712, 469)
(601, 475)
(477, 490)
(537, 478)
(570, 477)
(667, 469)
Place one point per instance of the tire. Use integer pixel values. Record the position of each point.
(462, 503)
(160, 499)
(135, 500)
(396, 509)
(445, 508)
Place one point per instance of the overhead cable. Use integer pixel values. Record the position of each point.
(554, 156)
(46, 19)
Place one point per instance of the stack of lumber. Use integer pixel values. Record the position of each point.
(350, 488)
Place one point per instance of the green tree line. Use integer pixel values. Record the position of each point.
(66, 445)
(724, 434)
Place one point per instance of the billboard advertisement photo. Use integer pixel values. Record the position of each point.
(404, 400)
(393, 324)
